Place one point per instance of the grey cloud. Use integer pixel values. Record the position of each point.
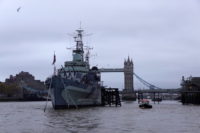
(162, 37)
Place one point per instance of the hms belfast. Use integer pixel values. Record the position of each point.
(75, 84)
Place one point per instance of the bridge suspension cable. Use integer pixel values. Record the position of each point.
(150, 86)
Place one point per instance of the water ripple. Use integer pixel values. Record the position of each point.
(167, 117)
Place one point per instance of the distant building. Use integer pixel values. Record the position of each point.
(29, 87)
(191, 83)
(190, 90)
(27, 78)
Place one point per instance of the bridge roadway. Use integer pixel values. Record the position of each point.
(111, 69)
(141, 91)
(159, 91)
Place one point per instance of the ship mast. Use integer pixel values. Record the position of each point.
(87, 56)
(78, 40)
(78, 53)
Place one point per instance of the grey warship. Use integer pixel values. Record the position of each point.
(75, 84)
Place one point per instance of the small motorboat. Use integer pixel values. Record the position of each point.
(145, 104)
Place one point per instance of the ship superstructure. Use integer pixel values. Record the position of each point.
(76, 84)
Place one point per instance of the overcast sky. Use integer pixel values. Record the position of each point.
(161, 36)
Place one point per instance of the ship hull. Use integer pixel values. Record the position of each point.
(70, 94)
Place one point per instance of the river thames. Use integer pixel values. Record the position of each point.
(166, 117)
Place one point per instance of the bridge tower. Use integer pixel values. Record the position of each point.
(128, 75)
(128, 92)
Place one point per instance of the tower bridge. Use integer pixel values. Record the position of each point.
(128, 92)
(128, 74)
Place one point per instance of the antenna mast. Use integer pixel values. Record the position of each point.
(87, 56)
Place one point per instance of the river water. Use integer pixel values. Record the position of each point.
(166, 117)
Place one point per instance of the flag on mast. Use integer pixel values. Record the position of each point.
(54, 59)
